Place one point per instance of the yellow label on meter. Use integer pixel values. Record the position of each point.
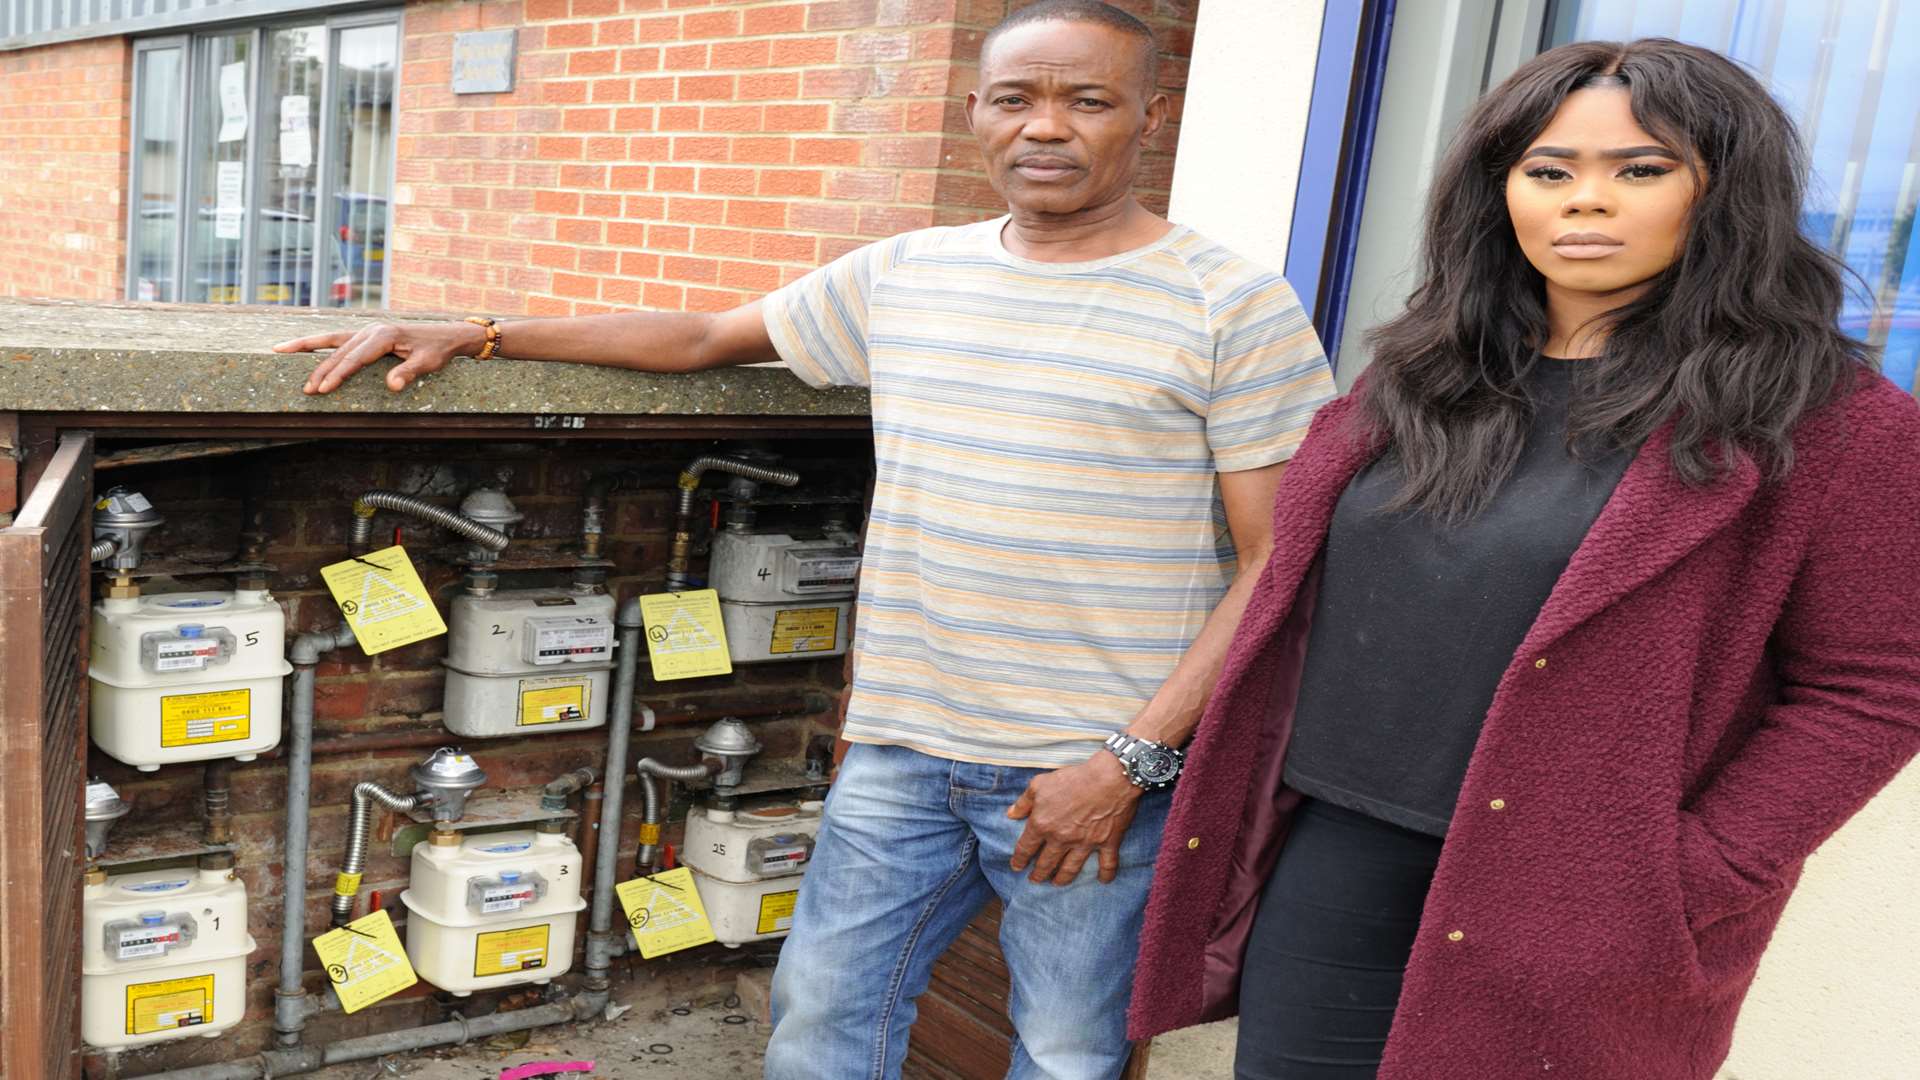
(365, 961)
(664, 912)
(381, 595)
(500, 952)
(799, 630)
(776, 912)
(685, 637)
(169, 1004)
(544, 702)
(219, 716)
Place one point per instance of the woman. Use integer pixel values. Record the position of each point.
(1591, 613)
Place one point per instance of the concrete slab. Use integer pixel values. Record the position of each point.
(69, 356)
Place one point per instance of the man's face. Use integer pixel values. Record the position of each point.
(1061, 114)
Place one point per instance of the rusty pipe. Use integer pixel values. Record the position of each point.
(806, 704)
(217, 790)
(589, 842)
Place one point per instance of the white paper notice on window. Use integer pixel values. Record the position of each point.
(230, 186)
(296, 141)
(233, 101)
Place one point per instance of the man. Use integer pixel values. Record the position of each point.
(1080, 417)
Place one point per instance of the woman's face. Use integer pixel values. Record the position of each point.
(1598, 204)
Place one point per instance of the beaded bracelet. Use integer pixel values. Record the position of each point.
(493, 336)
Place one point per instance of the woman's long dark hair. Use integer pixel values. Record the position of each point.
(1735, 341)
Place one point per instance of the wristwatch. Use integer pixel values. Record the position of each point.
(1148, 764)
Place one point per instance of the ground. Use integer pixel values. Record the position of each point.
(714, 1040)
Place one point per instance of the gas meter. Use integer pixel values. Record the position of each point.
(747, 864)
(163, 955)
(187, 676)
(784, 595)
(492, 910)
(525, 661)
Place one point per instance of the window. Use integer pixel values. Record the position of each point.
(1844, 70)
(262, 164)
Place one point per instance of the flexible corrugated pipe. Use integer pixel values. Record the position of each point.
(364, 507)
(648, 768)
(766, 474)
(347, 886)
(679, 554)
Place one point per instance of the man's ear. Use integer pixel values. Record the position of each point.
(1158, 107)
(973, 99)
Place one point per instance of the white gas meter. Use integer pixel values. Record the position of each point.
(187, 676)
(784, 596)
(525, 661)
(492, 910)
(163, 955)
(747, 865)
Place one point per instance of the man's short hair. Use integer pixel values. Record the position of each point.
(1096, 12)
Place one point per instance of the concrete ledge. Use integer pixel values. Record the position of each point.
(74, 356)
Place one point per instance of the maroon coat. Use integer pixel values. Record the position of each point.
(1720, 678)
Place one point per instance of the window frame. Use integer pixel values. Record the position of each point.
(257, 89)
(130, 286)
(1441, 57)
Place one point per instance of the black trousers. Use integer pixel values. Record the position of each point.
(1330, 945)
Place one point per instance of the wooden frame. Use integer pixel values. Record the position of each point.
(43, 646)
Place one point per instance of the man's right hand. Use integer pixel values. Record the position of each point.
(421, 347)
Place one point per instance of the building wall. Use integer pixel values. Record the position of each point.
(1252, 83)
(1836, 992)
(692, 156)
(63, 173)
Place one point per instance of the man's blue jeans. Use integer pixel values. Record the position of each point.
(910, 849)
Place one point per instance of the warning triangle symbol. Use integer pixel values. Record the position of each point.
(686, 632)
(383, 598)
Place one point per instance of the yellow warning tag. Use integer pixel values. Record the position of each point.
(365, 961)
(553, 701)
(799, 630)
(219, 716)
(383, 600)
(664, 912)
(169, 1004)
(501, 952)
(684, 635)
(776, 912)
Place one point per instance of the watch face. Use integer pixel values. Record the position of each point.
(1156, 766)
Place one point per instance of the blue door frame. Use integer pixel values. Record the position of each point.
(1341, 121)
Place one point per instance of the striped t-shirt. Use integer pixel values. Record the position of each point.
(1047, 535)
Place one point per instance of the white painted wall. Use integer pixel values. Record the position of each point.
(1248, 91)
(1838, 994)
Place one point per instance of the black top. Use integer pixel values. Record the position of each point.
(1416, 620)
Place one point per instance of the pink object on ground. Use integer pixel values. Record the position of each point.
(545, 1068)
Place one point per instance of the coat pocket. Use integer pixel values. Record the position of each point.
(1711, 888)
(1726, 916)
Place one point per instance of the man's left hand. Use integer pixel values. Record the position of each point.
(1070, 814)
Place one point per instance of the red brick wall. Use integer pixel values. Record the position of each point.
(63, 169)
(690, 154)
(306, 494)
